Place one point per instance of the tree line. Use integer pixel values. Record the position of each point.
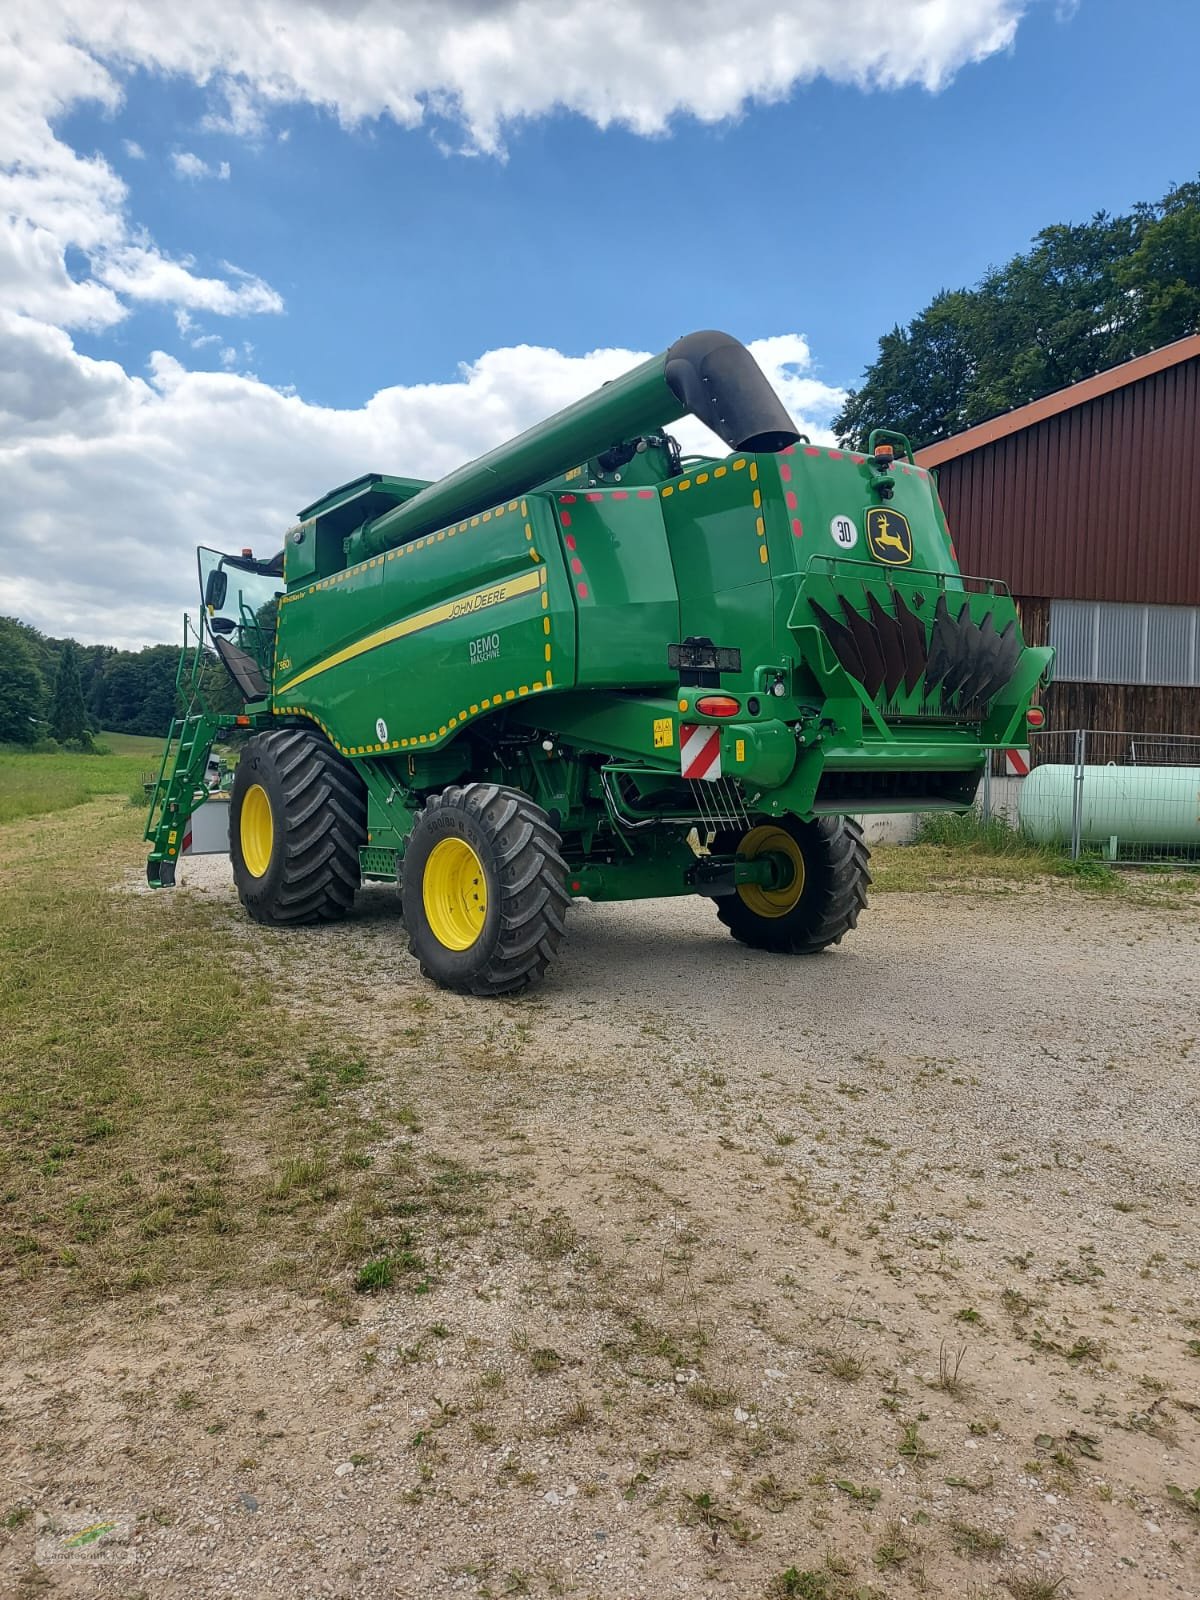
(59, 689)
(1084, 297)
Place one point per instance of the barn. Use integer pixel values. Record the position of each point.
(1083, 503)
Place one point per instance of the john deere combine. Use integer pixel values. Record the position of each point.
(587, 666)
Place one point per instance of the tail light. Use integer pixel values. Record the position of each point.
(1035, 716)
(717, 705)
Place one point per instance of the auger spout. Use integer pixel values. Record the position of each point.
(708, 375)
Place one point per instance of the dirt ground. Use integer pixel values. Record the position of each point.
(875, 1274)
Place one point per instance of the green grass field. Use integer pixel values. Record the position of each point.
(133, 744)
(138, 1046)
(31, 785)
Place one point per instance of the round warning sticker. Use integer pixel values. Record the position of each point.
(381, 731)
(845, 532)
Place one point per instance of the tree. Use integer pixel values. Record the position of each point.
(921, 378)
(68, 715)
(1083, 297)
(135, 690)
(1162, 275)
(21, 687)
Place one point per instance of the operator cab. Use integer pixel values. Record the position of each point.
(241, 597)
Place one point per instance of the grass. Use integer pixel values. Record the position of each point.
(950, 1368)
(156, 1128)
(914, 1447)
(956, 849)
(796, 1585)
(33, 785)
(127, 1044)
(969, 1540)
(1036, 1586)
(147, 747)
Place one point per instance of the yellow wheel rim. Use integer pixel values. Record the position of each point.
(454, 892)
(257, 829)
(767, 839)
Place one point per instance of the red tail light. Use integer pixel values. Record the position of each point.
(718, 705)
(1035, 716)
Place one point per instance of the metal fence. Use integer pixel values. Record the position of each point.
(1119, 797)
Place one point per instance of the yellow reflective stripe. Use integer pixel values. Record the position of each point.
(482, 600)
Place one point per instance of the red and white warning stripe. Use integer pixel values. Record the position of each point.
(1016, 763)
(700, 751)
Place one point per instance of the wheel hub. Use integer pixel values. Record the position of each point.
(782, 894)
(257, 830)
(454, 891)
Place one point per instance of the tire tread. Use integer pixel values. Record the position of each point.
(533, 887)
(843, 857)
(323, 827)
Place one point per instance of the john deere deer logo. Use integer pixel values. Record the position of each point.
(889, 537)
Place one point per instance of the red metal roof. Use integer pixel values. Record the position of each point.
(1052, 405)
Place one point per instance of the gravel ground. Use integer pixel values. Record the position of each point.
(880, 1268)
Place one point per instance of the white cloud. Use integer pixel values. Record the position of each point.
(484, 65)
(127, 475)
(54, 199)
(34, 279)
(187, 164)
(143, 273)
(490, 63)
(111, 479)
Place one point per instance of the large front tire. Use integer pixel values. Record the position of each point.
(821, 900)
(297, 820)
(484, 890)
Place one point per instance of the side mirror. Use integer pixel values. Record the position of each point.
(216, 588)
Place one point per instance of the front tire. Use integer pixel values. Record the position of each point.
(297, 820)
(822, 899)
(484, 890)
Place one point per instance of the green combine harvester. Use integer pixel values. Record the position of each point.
(585, 665)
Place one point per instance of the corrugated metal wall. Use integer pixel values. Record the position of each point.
(1097, 503)
(1124, 707)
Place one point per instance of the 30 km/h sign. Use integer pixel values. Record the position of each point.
(699, 751)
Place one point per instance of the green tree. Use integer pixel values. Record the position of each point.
(1162, 274)
(920, 381)
(21, 688)
(1083, 297)
(68, 714)
(135, 690)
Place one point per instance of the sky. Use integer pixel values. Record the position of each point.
(250, 249)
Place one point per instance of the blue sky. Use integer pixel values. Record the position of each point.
(247, 253)
(835, 214)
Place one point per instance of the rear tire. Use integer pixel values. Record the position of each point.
(825, 898)
(484, 890)
(297, 820)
